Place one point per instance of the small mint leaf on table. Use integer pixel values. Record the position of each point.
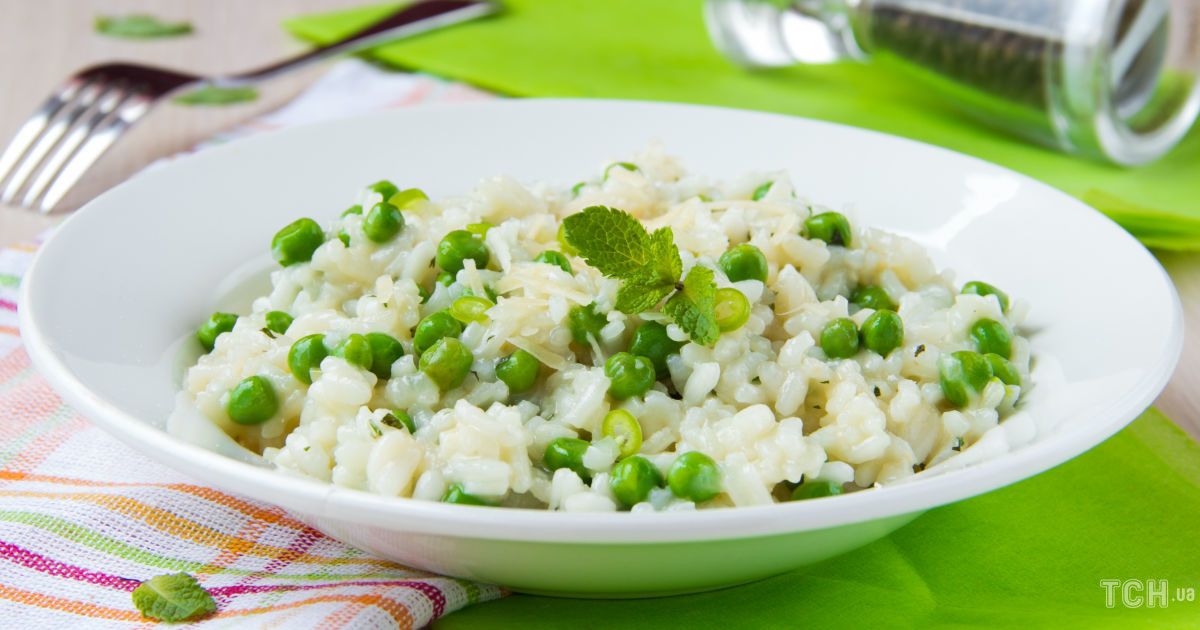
(172, 598)
(694, 307)
(215, 95)
(139, 26)
(609, 240)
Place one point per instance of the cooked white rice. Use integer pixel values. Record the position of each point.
(764, 401)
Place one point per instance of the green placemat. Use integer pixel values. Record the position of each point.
(1032, 555)
(659, 50)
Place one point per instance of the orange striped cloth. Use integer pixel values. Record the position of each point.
(83, 519)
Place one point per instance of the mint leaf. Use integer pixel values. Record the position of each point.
(636, 298)
(667, 264)
(171, 598)
(694, 308)
(213, 95)
(609, 240)
(140, 27)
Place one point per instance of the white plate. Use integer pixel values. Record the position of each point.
(112, 294)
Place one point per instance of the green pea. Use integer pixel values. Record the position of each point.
(567, 452)
(651, 340)
(629, 375)
(629, 166)
(435, 326)
(961, 373)
(355, 349)
(423, 293)
(344, 238)
(455, 494)
(632, 479)
(991, 336)
(584, 321)
(400, 420)
(625, 429)
(1003, 369)
(458, 246)
(872, 297)
(479, 229)
(816, 489)
(831, 227)
(744, 262)
(445, 279)
(447, 363)
(470, 308)
(694, 476)
(762, 191)
(975, 287)
(253, 401)
(407, 197)
(305, 355)
(883, 332)
(385, 349)
(551, 257)
(278, 321)
(566, 247)
(384, 188)
(217, 323)
(732, 309)
(839, 338)
(296, 242)
(355, 209)
(518, 370)
(383, 222)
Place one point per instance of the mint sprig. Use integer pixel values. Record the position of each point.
(648, 266)
(172, 598)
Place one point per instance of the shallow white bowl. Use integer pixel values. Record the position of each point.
(121, 285)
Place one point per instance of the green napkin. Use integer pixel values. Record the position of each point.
(1031, 555)
(659, 50)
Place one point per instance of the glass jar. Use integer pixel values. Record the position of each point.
(1111, 79)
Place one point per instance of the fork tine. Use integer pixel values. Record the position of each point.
(126, 115)
(73, 140)
(36, 124)
(58, 127)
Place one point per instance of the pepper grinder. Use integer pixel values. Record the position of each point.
(1115, 80)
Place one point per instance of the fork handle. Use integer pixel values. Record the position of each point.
(410, 20)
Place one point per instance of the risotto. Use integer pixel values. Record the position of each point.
(644, 340)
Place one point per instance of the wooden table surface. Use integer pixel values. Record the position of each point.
(44, 42)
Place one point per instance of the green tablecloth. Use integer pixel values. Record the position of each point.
(1035, 554)
(659, 50)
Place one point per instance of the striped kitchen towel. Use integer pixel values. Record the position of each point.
(83, 519)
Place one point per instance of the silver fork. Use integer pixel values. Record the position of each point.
(86, 115)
